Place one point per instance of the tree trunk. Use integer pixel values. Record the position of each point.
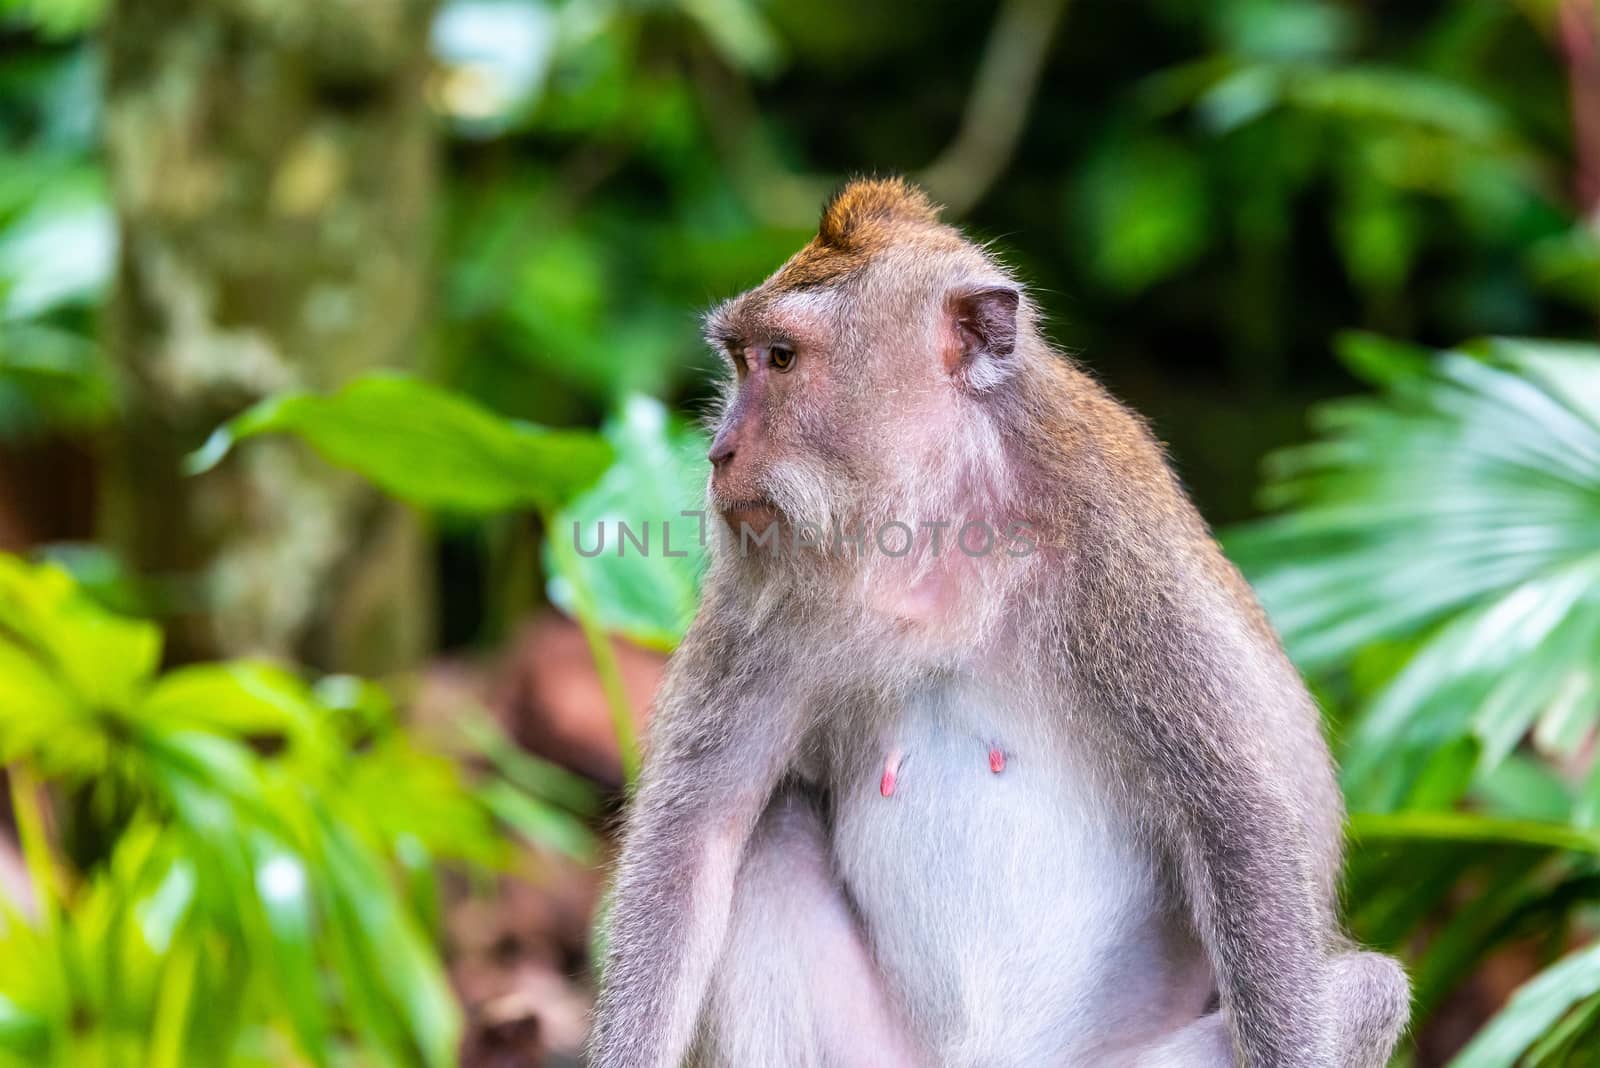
(272, 166)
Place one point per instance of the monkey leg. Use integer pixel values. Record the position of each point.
(1371, 1000)
(1204, 1043)
(796, 986)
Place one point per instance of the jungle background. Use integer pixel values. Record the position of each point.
(323, 322)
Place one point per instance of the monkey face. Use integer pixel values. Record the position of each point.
(770, 457)
(854, 368)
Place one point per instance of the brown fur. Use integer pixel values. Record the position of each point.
(862, 218)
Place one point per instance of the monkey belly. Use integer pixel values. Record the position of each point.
(1009, 903)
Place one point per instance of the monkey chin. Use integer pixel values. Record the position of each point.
(754, 514)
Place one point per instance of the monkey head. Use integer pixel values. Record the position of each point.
(860, 369)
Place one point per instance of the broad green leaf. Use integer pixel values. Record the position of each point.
(399, 792)
(426, 445)
(627, 542)
(103, 660)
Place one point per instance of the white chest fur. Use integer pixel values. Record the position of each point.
(1012, 907)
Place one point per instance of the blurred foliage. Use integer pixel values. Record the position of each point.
(228, 864)
(1443, 541)
(1204, 193)
(1436, 564)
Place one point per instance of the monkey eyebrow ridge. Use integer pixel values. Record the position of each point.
(721, 336)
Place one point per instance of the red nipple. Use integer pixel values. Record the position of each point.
(891, 770)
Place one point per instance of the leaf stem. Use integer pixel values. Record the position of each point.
(606, 664)
(1463, 827)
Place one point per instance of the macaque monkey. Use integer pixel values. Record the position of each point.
(908, 804)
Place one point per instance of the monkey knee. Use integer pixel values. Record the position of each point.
(1371, 999)
(796, 984)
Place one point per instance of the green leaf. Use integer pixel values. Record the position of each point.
(1397, 95)
(1378, 231)
(1523, 787)
(1466, 827)
(627, 540)
(1381, 360)
(50, 378)
(284, 889)
(1560, 1045)
(22, 1032)
(739, 31)
(61, 252)
(1458, 512)
(426, 445)
(243, 699)
(1536, 1007)
(540, 778)
(56, 18)
(69, 670)
(34, 706)
(1299, 31)
(251, 897)
(540, 823)
(400, 960)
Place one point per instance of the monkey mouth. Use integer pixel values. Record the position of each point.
(757, 513)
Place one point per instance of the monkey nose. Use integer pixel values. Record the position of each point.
(721, 452)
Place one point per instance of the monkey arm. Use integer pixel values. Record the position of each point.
(718, 747)
(1205, 709)
(1244, 869)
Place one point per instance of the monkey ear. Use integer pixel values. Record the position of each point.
(980, 334)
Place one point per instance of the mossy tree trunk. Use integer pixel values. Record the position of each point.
(272, 166)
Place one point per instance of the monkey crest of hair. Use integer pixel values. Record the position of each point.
(865, 213)
(862, 218)
(1050, 793)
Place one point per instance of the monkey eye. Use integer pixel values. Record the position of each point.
(781, 357)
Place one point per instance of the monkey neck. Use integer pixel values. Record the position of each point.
(927, 607)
